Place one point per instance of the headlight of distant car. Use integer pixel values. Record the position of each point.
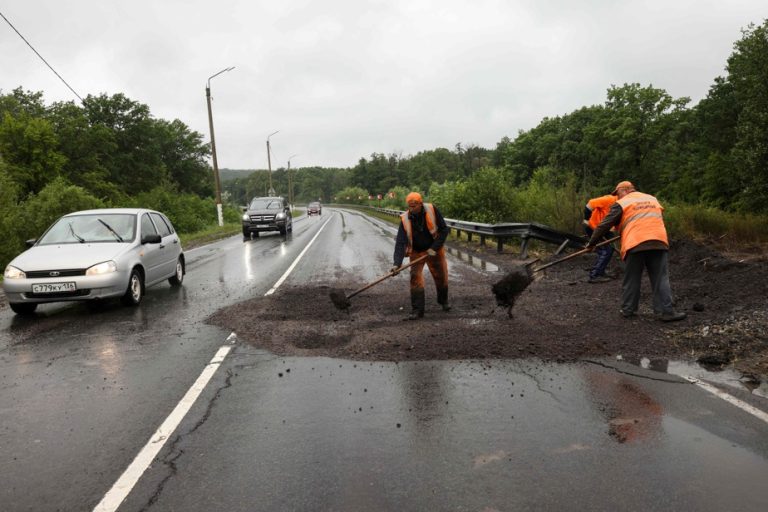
(246, 217)
(102, 268)
(280, 215)
(13, 273)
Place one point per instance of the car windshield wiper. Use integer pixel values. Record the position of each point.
(119, 238)
(79, 238)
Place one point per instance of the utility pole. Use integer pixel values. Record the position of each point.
(269, 164)
(290, 181)
(219, 210)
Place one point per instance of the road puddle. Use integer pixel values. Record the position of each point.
(472, 260)
(726, 376)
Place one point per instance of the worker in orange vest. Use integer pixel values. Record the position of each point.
(422, 231)
(594, 212)
(644, 244)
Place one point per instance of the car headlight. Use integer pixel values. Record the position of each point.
(246, 217)
(280, 216)
(102, 268)
(13, 273)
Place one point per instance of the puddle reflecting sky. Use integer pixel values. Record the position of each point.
(726, 377)
(473, 260)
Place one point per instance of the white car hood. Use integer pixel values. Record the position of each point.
(67, 256)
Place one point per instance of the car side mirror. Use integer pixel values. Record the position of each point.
(151, 239)
(30, 242)
(244, 209)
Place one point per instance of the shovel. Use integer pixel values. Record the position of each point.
(341, 301)
(577, 253)
(515, 283)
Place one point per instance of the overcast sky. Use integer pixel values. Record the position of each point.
(343, 79)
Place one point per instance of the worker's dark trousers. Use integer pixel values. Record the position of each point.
(604, 253)
(657, 263)
(438, 267)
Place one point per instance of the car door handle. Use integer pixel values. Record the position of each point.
(162, 246)
(175, 241)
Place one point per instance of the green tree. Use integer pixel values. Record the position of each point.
(136, 164)
(748, 74)
(29, 147)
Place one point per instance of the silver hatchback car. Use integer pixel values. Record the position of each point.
(96, 254)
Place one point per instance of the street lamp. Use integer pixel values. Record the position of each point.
(269, 164)
(219, 210)
(290, 182)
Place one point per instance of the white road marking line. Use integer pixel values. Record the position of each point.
(754, 411)
(115, 496)
(296, 261)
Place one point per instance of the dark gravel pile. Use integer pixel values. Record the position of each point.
(558, 316)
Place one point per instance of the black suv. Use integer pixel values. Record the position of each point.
(267, 214)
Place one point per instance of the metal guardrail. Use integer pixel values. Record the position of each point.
(505, 231)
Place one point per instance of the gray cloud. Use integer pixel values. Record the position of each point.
(341, 80)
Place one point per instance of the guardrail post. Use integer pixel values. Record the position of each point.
(524, 248)
(482, 240)
(499, 244)
(469, 236)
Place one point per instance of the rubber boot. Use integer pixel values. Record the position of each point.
(442, 299)
(417, 304)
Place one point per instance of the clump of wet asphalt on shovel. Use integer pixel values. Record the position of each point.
(515, 283)
(339, 299)
(511, 286)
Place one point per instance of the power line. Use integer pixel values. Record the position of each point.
(41, 58)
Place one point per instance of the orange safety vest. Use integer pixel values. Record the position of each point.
(641, 221)
(600, 207)
(429, 212)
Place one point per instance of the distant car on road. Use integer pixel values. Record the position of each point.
(96, 254)
(267, 214)
(314, 209)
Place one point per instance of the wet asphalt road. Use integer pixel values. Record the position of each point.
(82, 392)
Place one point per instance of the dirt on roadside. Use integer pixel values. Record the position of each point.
(558, 317)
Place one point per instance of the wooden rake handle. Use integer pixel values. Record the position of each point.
(577, 253)
(393, 273)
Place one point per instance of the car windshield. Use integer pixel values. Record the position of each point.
(90, 228)
(265, 204)
(314, 205)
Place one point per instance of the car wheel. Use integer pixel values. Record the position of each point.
(178, 277)
(283, 231)
(23, 308)
(135, 290)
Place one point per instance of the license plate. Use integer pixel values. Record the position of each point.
(262, 225)
(53, 287)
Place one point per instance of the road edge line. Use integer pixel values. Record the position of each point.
(754, 411)
(123, 486)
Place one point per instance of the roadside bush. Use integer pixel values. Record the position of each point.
(12, 241)
(696, 221)
(56, 199)
(352, 195)
(188, 212)
(551, 199)
(487, 196)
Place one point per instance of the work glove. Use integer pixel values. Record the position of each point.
(394, 270)
(590, 247)
(431, 252)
